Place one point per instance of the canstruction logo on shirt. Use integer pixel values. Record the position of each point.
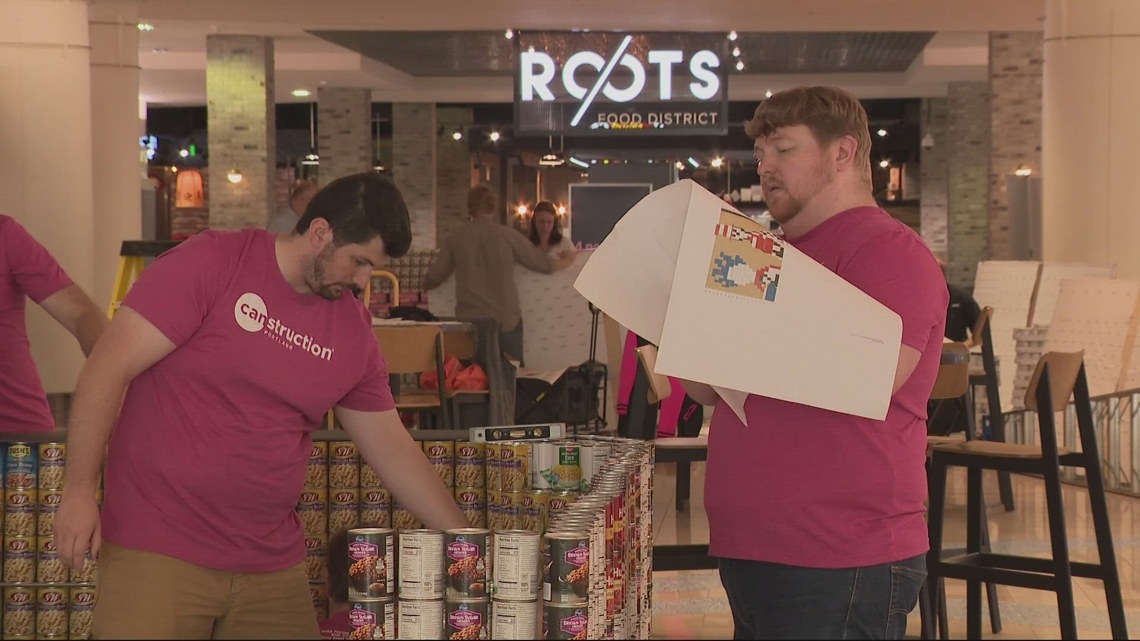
(251, 315)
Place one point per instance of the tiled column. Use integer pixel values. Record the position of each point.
(46, 164)
(242, 130)
(1090, 169)
(453, 169)
(1016, 65)
(413, 166)
(933, 220)
(118, 170)
(969, 187)
(344, 132)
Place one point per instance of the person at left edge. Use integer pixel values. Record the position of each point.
(235, 344)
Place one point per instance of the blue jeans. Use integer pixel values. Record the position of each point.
(772, 601)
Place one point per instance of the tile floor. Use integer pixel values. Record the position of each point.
(692, 605)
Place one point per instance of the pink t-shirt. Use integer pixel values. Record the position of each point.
(26, 269)
(336, 626)
(808, 487)
(208, 457)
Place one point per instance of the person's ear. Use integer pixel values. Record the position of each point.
(320, 233)
(845, 149)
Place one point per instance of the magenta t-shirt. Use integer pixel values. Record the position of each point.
(209, 454)
(26, 270)
(814, 488)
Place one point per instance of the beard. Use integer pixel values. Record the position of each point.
(789, 202)
(315, 274)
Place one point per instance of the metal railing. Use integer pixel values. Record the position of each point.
(1116, 418)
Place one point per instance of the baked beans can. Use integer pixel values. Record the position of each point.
(372, 568)
(472, 501)
(372, 619)
(316, 555)
(467, 619)
(403, 518)
(515, 565)
(376, 507)
(49, 565)
(420, 619)
(317, 474)
(494, 469)
(51, 611)
(421, 564)
(494, 510)
(514, 467)
(441, 455)
(19, 512)
(19, 559)
(558, 501)
(510, 510)
(468, 560)
(532, 514)
(514, 619)
(344, 509)
(318, 593)
(344, 465)
(564, 621)
(313, 510)
(87, 574)
(369, 477)
(82, 609)
(51, 460)
(46, 508)
(470, 464)
(19, 612)
(565, 563)
(557, 466)
(20, 466)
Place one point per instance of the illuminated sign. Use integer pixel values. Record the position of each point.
(605, 83)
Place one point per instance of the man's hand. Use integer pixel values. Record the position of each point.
(565, 259)
(77, 529)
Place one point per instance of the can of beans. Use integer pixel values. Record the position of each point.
(317, 474)
(20, 466)
(344, 509)
(514, 467)
(51, 459)
(45, 511)
(318, 593)
(87, 574)
(515, 565)
(441, 455)
(371, 558)
(19, 512)
(558, 502)
(82, 608)
(468, 561)
(420, 619)
(472, 501)
(494, 469)
(49, 565)
(372, 619)
(369, 478)
(51, 611)
(467, 619)
(421, 564)
(566, 566)
(403, 519)
(514, 619)
(470, 464)
(19, 612)
(495, 518)
(316, 556)
(344, 465)
(376, 507)
(19, 559)
(564, 621)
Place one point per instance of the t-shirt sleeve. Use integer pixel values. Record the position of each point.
(372, 393)
(900, 273)
(32, 267)
(527, 255)
(178, 290)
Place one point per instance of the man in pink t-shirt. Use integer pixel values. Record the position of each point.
(817, 517)
(28, 270)
(230, 350)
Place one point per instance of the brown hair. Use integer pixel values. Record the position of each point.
(481, 199)
(556, 233)
(829, 112)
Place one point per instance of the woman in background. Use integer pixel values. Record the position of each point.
(546, 229)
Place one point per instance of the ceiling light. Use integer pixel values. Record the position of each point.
(552, 159)
(562, 210)
(732, 35)
(1023, 171)
(234, 176)
(302, 93)
(881, 132)
(593, 161)
(679, 165)
(494, 136)
(581, 163)
(521, 210)
(884, 163)
(768, 94)
(145, 26)
(736, 52)
(740, 65)
(717, 162)
(458, 134)
(693, 162)
(510, 33)
(183, 153)
(311, 159)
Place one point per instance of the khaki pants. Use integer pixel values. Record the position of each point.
(142, 595)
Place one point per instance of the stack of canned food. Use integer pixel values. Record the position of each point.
(42, 599)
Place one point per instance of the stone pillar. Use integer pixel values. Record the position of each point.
(344, 132)
(935, 174)
(45, 167)
(242, 130)
(452, 169)
(1090, 133)
(969, 187)
(413, 166)
(1016, 65)
(117, 171)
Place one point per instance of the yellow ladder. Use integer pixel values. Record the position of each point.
(132, 260)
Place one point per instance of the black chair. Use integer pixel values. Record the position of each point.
(1058, 377)
(987, 378)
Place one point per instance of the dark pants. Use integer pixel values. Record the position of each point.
(512, 342)
(772, 601)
